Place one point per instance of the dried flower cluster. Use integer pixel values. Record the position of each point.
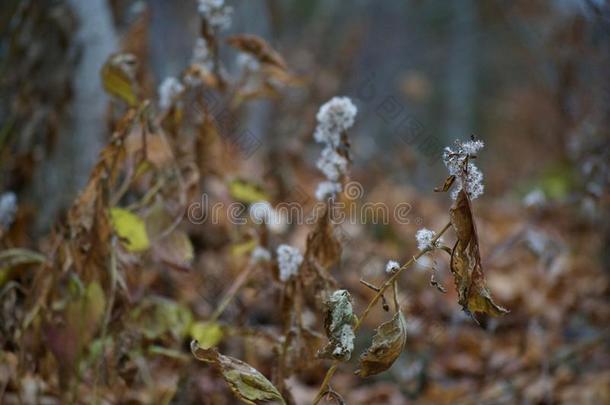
(459, 163)
(261, 212)
(216, 13)
(424, 239)
(392, 266)
(334, 118)
(260, 254)
(202, 57)
(289, 260)
(169, 90)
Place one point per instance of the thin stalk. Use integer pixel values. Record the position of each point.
(237, 285)
(390, 281)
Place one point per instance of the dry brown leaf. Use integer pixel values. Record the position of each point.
(175, 250)
(257, 47)
(158, 152)
(247, 383)
(388, 342)
(446, 185)
(466, 262)
(322, 245)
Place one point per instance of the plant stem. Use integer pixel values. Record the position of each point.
(237, 285)
(390, 281)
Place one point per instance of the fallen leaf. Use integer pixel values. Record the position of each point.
(130, 228)
(248, 384)
(388, 342)
(466, 262)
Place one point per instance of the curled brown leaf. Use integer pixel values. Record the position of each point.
(388, 342)
(466, 262)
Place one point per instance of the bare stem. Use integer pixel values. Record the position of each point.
(232, 292)
(390, 281)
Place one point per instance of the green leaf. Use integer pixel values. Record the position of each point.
(130, 228)
(248, 384)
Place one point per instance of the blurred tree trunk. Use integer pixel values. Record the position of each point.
(83, 134)
(461, 70)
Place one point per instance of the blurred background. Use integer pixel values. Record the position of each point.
(529, 78)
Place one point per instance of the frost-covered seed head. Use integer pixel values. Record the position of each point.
(472, 147)
(216, 13)
(169, 90)
(424, 239)
(392, 267)
(327, 189)
(289, 259)
(261, 212)
(465, 173)
(332, 164)
(260, 254)
(334, 117)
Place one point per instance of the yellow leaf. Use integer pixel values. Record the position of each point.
(118, 77)
(246, 192)
(130, 228)
(208, 334)
(240, 249)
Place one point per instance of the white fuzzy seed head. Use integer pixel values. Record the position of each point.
(424, 239)
(327, 189)
(332, 164)
(261, 212)
(216, 13)
(289, 260)
(334, 117)
(392, 267)
(169, 90)
(459, 164)
(260, 254)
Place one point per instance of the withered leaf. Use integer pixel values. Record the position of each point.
(257, 47)
(247, 383)
(466, 262)
(446, 185)
(339, 324)
(388, 342)
(322, 245)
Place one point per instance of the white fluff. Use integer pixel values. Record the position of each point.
(289, 260)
